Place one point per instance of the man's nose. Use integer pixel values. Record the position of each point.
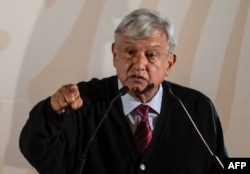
(140, 62)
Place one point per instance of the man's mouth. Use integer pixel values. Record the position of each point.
(139, 78)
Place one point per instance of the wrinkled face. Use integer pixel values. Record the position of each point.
(142, 64)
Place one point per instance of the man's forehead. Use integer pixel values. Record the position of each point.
(149, 43)
(156, 35)
(135, 44)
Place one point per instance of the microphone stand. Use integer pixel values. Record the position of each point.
(196, 128)
(82, 159)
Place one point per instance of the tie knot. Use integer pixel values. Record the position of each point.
(143, 111)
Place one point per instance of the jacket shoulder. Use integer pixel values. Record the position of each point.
(98, 88)
(185, 93)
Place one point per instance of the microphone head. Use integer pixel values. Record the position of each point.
(124, 90)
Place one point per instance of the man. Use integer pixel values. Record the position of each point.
(180, 132)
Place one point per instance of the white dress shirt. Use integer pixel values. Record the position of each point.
(129, 104)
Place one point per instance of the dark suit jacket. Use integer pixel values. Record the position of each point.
(53, 143)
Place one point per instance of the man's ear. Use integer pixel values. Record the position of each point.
(114, 52)
(171, 61)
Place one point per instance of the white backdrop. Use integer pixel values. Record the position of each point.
(47, 43)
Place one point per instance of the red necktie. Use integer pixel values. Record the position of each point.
(143, 133)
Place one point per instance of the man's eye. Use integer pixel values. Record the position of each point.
(151, 55)
(130, 52)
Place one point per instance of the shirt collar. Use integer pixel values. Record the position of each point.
(129, 103)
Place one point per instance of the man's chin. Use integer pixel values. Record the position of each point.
(142, 89)
(137, 89)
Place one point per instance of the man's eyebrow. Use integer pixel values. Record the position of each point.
(155, 46)
(129, 43)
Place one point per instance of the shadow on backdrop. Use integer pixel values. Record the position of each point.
(40, 76)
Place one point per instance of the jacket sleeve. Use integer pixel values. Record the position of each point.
(220, 151)
(48, 140)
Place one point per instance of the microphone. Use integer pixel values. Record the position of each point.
(124, 90)
(195, 127)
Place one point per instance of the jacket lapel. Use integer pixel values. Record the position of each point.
(119, 117)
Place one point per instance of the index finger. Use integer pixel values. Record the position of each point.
(72, 88)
